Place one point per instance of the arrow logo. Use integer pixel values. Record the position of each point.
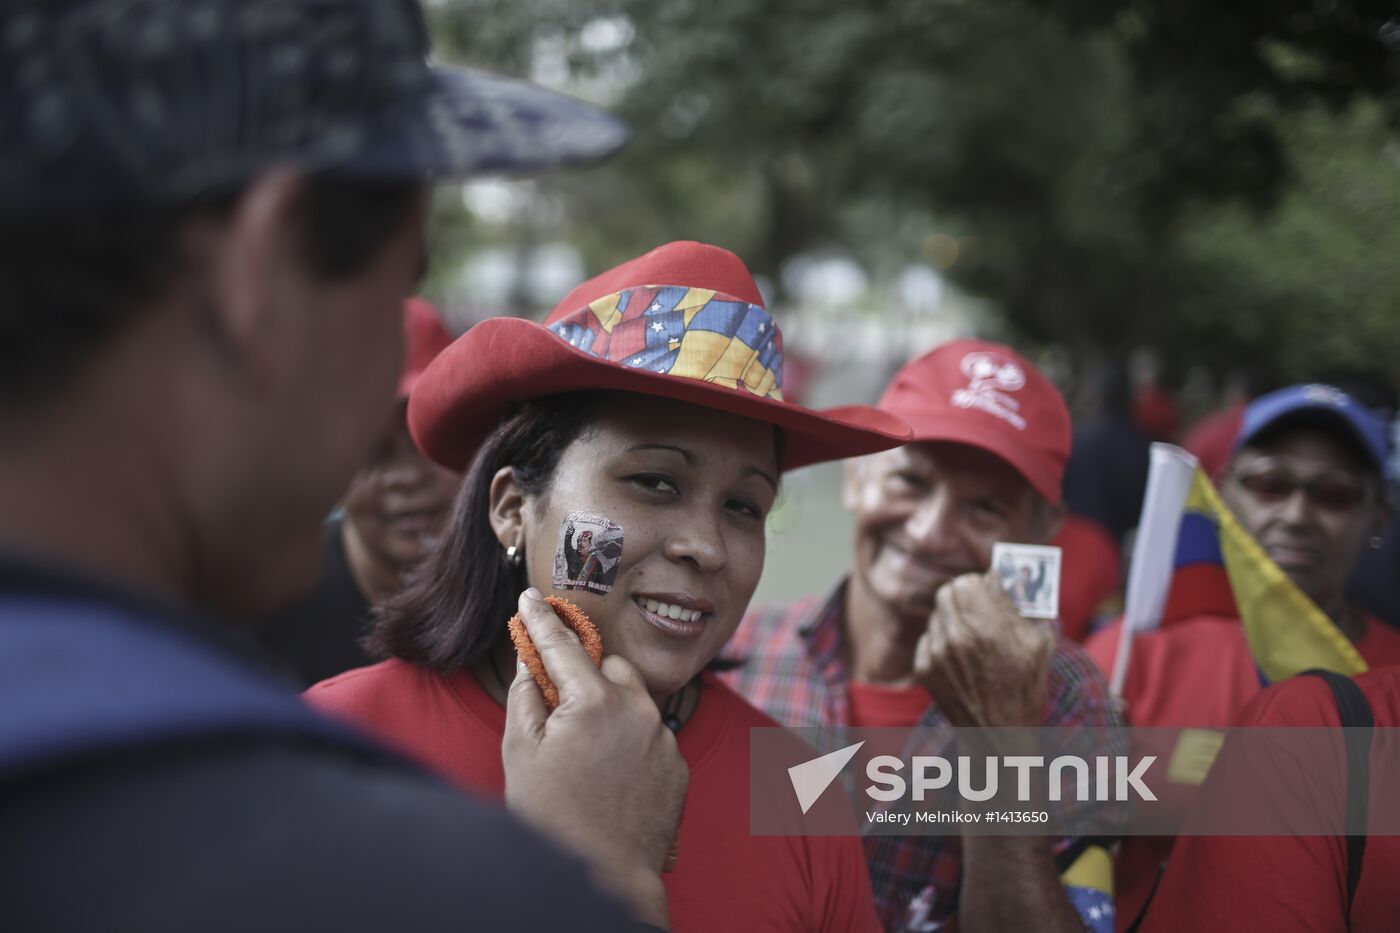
(811, 778)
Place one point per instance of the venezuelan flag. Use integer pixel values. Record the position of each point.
(1287, 633)
(1089, 884)
(1207, 564)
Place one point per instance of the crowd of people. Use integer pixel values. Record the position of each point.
(263, 520)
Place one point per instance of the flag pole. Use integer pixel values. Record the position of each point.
(1154, 551)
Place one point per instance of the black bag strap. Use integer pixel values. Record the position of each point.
(1151, 896)
(1355, 714)
(1356, 717)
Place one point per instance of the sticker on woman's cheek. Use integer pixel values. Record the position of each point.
(589, 554)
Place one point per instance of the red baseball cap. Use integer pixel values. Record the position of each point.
(685, 321)
(425, 336)
(986, 395)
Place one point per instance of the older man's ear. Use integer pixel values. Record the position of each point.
(1049, 520)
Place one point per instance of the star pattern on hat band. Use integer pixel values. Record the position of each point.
(688, 333)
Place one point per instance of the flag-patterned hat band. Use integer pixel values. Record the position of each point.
(699, 336)
(683, 332)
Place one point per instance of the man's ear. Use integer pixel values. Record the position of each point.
(1384, 513)
(1052, 520)
(258, 274)
(852, 478)
(507, 504)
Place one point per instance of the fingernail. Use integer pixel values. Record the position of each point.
(520, 668)
(533, 593)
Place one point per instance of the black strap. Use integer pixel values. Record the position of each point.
(1356, 718)
(1151, 896)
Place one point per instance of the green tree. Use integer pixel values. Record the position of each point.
(1313, 284)
(1073, 142)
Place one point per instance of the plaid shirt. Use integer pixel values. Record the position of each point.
(794, 669)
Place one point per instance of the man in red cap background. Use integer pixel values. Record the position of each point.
(391, 516)
(921, 634)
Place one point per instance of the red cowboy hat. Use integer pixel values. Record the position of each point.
(684, 322)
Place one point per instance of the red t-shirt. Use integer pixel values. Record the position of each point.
(1197, 672)
(725, 878)
(1288, 883)
(877, 707)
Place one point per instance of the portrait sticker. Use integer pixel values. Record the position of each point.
(589, 554)
(1030, 574)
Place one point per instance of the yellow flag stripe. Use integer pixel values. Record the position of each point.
(1287, 633)
(1093, 869)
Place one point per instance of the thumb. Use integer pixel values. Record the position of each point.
(525, 709)
(620, 671)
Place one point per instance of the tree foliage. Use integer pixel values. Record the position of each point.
(1113, 164)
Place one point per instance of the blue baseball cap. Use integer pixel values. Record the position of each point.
(1317, 404)
(111, 102)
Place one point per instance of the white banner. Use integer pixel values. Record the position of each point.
(1154, 549)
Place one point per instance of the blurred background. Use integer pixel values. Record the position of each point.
(1168, 204)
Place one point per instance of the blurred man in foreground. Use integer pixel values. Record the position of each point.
(390, 518)
(921, 633)
(210, 214)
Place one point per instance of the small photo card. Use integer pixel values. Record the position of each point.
(1030, 573)
(589, 554)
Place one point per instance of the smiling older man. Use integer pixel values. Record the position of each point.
(991, 438)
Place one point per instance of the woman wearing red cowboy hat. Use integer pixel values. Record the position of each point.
(651, 397)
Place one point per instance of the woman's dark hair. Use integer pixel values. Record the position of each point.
(456, 603)
(71, 282)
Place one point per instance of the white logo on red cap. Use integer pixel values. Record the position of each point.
(990, 376)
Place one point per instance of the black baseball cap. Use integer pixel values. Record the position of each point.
(105, 102)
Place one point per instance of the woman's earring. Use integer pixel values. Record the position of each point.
(515, 556)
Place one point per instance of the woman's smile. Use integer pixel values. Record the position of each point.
(676, 614)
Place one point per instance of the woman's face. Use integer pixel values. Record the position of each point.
(691, 488)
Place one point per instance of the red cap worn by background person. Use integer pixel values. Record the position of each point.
(685, 322)
(986, 395)
(425, 336)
